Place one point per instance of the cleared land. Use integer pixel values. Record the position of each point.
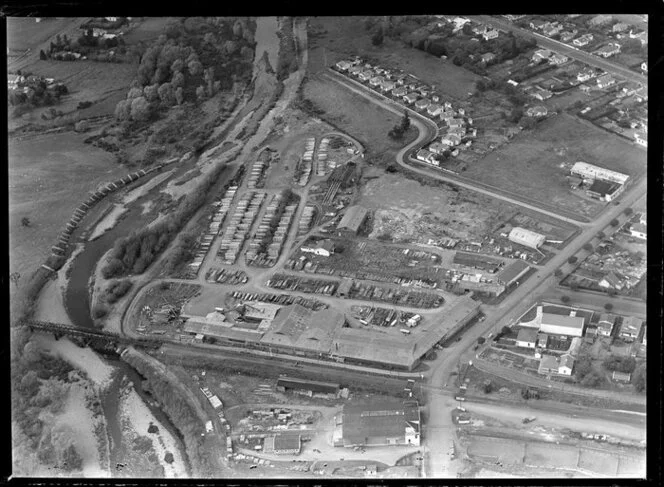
(343, 37)
(530, 164)
(357, 116)
(47, 178)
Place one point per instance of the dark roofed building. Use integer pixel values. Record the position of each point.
(386, 423)
(283, 444)
(600, 189)
(512, 272)
(352, 220)
(308, 387)
(476, 261)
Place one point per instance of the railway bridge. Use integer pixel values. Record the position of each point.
(88, 336)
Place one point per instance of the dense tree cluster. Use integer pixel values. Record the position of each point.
(37, 94)
(136, 252)
(400, 129)
(620, 364)
(117, 290)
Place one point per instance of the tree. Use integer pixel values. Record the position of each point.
(574, 285)
(200, 92)
(639, 378)
(505, 330)
(178, 80)
(166, 94)
(558, 272)
(140, 109)
(25, 221)
(608, 306)
(405, 121)
(515, 115)
(134, 93)
(179, 95)
(527, 123)
(601, 235)
(611, 292)
(377, 38)
(195, 67)
(593, 379)
(42, 55)
(588, 247)
(123, 110)
(481, 340)
(565, 299)
(628, 211)
(573, 259)
(614, 222)
(177, 66)
(168, 457)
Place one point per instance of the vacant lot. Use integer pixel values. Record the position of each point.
(345, 36)
(598, 461)
(554, 456)
(500, 449)
(48, 178)
(531, 164)
(358, 117)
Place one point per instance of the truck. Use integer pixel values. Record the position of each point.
(529, 419)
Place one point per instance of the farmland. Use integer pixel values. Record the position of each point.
(530, 164)
(42, 174)
(342, 37)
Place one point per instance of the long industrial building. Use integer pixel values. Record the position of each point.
(527, 238)
(297, 330)
(379, 424)
(590, 171)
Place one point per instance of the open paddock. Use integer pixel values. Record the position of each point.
(553, 456)
(530, 165)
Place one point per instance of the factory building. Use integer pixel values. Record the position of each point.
(352, 220)
(380, 424)
(561, 325)
(526, 238)
(589, 171)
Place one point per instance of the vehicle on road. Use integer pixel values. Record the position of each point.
(529, 420)
(252, 466)
(459, 398)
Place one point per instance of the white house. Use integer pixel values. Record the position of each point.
(558, 59)
(553, 324)
(608, 50)
(426, 156)
(583, 40)
(324, 248)
(641, 138)
(566, 365)
(451, 139)
(434, 109)
(490, 34)
(644, 66)
(343, 65)
(639, 230)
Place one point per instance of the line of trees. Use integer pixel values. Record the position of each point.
(136, 252)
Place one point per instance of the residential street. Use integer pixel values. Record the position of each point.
(569, 51)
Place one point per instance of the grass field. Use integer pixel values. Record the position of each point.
(24, 33)
(48, 178)
(341, 37)
(358, 117)
(530, 164)
(554, 456)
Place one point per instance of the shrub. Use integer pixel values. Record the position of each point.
(628, 211)
(614, 222)
(588, 247)
(573, 259)
(639, 379)
(593, 379)
(565, 299)
(620, 364)
(601, 235)
(558, 272)
(608, 306)
(99, 311)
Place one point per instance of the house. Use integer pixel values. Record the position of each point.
(639, 230)
(446, 114)
(641, 94)
(558, 59)
(366, 75)
(352, 220)
(537, 24)
(583, 40)
(437, 148)
(355, 70)
(640, 35)
(541, 94)
(644, 67)
(490, 34)
(400, 91)
(422, 104)
(549, 365)
(451, 140)
(537, 111)
(343, 65)
(641, 138)
(566, 364)
(606, 324)
(552, 29)
(604, 190)
(585, 74)
(459, 22)
(434, 109)
(552, 324)
(376, 81)
(435, 98)
(567, 35)
(608, 50)
(13, 81)
(619, 27)
(487, 57)
(541, 54)
(630, 328)
(600, 20)
(426, 156)
(324, 248)
(381, 424)
(605, 81)
(621, 376)
(457, 130)
(526, 338)
(410, 98)
(611, 281)
(387, 86)
(455, 123)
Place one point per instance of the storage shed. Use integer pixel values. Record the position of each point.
(527, 238)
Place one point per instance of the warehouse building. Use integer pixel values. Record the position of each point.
(589, 171)
(526, 238)
(307, 387)
(552, 324)
(604, 190)
(283, 444)
(352, 221)
(512, 273)
(381, 424)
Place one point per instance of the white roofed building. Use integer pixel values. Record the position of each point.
(590, 171)
(553, 324)
(526, 237)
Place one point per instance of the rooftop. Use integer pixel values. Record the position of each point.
(575, 322)
(513, 271)
(353, 218)
(384, 419)
(527, 335)
(287, 442)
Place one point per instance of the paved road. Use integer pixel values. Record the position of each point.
(621, 305)
(567, 50)
(427, 134)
